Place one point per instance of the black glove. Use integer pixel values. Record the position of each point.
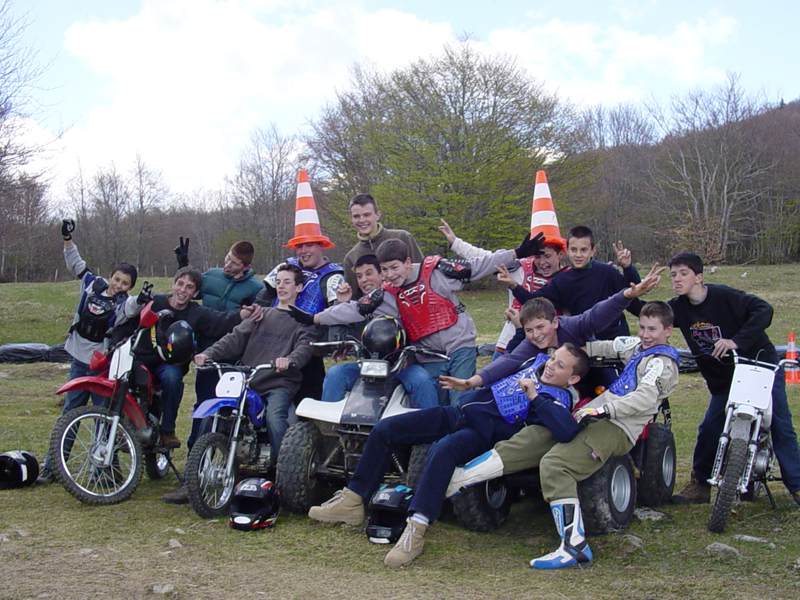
(99, 285)
(182, 252)
(146, 295)
(369, 302)
(531, 247)
(301, 316)
(67, 227)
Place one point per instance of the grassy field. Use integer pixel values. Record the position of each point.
(52, 546)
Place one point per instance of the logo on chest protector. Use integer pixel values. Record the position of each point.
(413, 296)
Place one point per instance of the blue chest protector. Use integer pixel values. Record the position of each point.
(513, 403)
(312, 299)
(628, 379)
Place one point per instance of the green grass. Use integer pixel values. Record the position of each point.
(76, 551)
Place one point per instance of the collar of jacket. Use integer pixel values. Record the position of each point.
(367, 238)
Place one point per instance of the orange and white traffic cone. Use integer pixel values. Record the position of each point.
(543, 214)
(306, 217)
(791, 373)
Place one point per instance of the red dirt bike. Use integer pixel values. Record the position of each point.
(99, 451)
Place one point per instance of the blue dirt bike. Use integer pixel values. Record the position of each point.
(236, 438)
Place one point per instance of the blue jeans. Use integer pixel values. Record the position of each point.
(278, 402)
(171, 379)
(454, 443)
(80, 397)
(461, 364)
(205, 384)
(423, 390)
(784, 438)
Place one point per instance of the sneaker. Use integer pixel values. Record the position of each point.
(177, 496)
(697, 491)
(408, 547)
(345, 507)
(168, 440)
(45, 476)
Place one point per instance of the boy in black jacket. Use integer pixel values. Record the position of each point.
(715, 319)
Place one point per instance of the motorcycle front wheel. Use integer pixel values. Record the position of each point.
(734, 466)
(210, 486)
(78, 446)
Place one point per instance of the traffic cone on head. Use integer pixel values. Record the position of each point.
(543, 214)
(306, 217)
(791, 372)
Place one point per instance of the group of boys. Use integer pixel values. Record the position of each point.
(515, 413)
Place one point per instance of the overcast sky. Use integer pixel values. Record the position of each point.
(185, 82)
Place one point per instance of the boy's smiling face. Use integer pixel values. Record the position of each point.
(580, 251)
(559, 369)
(119, 283)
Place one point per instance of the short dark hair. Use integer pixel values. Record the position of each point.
(244, 251)
(368, 259)
(193, 274)
(128, 269)
(581, 231)
(537, 308)
(393, 249)
(687, 259)
(581, 367)
(363, 200)
(298, 272)
(659, 310)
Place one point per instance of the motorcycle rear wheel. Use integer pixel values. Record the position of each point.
(76, 444)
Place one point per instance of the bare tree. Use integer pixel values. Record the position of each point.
(147, 190)
(110, 199)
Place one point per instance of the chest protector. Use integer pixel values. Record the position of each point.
(312, 299)
(628, 379)
(422, 310)
(96, 314)
(513, 403)
(531, 281)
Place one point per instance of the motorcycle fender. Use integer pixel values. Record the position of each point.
(102, 386)
(398, 404)
(133, 412)
(329, 412)
(213, 405)
(745, 411)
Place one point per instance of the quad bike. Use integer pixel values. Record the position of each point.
(322, 450)
(99, 451)
(237, 440)
(744, 460)
(608, 498)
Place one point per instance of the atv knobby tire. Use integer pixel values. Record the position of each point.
(657, 479)
(608, 497)
(299, 455)
(483, 507)
(416, 463)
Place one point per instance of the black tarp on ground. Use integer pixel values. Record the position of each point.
(33, 352)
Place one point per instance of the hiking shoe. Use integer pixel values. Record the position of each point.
(177, 496)
(408, 547)
(168, 440)
(345, 507)
(45, 476)
(697, 491)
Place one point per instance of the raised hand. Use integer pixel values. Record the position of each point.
(649, 283)
(344, 293)
(504, 276)
(530, 246)
(146, 294)
(623, 254)
(512, 314)
(67, 227)
(447, 232)
(182, 252)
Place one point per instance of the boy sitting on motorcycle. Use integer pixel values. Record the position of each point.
(612, 423)
(713, 320)
(276, 337)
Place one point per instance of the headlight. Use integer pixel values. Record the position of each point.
(374, 368)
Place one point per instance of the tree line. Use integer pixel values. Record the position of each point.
(459, 136)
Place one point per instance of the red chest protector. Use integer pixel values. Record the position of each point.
(422, 310)
(531, 281)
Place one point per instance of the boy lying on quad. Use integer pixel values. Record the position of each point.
(612, 423)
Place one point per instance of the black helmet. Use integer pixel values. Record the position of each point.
(255, 504)
(382, 336)
(17, 469)
(178, 344)
(388, 509)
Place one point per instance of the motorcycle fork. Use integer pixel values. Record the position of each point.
(752, 447)
(117, 399)
(235, 434)
(723, 446)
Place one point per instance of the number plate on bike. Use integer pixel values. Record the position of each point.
(121, 361)
(230, 385)
(752, 385)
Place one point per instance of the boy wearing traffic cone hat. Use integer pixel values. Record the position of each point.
(715, 319)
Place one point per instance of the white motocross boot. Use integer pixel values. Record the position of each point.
(481, 468)
(574, 549)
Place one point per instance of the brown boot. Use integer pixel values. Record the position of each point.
(345, 507)
(169, 440)
(697, 491)
(408, 547)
